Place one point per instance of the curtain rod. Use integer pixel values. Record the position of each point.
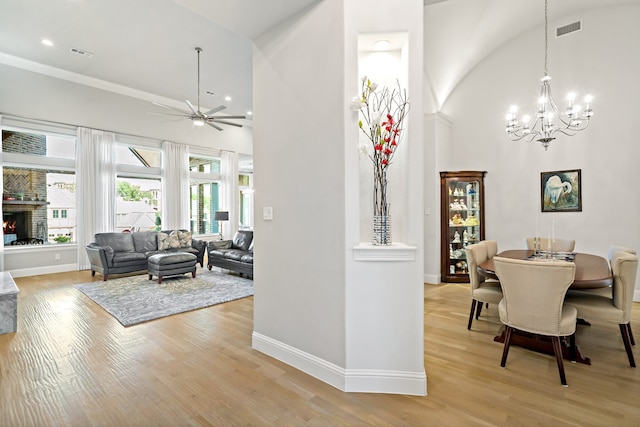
(50, 122)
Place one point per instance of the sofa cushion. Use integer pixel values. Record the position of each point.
(185, 239)
(145, 241)
(248, 258)
(128, 257)
(120, 242)
(235, 254)
(242, 240)
(218, 253)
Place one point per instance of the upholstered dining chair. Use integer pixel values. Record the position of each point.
(608, 291)
(534, 292)
(492, 247)
(561, 245)
(483, 291)
(617, 308)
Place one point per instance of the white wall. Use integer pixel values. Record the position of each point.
(298, 171)
(357, 325)
(601, 59)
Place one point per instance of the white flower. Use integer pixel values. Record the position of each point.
(363, 148)
(364, 79)
(375, 117)
(373, 86)
(356, 103)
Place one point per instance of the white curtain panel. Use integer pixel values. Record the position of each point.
(175, 186)
(229, 197)
(95, 187)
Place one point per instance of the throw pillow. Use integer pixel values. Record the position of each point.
(163, 241)
(174, 240)
(185, 239)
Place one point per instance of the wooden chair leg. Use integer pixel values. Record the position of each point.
(557, 349)
(507, 343)
(478, 310)
(633, 342)
(473, 309)
(627, 343)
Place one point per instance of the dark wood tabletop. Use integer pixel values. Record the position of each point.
(592, 271)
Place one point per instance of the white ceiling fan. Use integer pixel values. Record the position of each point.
(197, 117)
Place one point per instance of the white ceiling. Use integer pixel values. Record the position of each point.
(145, 48)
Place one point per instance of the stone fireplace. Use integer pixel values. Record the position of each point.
(24, 209)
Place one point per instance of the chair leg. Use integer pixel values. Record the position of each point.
(473, 309)
(507, 343)
(633, 342)
(478, 310)
(557, 349)
(627, 343)
(572, 347)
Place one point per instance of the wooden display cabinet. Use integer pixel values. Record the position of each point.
(462, 220)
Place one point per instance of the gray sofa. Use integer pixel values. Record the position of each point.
(235, 255)
(116, 253)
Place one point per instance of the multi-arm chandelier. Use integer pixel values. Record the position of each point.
(569, 122)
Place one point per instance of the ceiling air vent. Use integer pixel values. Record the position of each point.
(569, 28)
(81, 52)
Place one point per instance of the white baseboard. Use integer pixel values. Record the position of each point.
(432, 279)
(349, 380)
(35, 271)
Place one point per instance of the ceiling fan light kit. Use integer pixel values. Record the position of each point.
(197, 117)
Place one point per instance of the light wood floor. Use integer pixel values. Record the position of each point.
(72, 364)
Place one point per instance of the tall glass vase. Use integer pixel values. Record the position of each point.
(381, 214)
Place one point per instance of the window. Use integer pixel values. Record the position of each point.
(38, 174)
(204, 194)
(246, 200)
(138, 188)
(63, 213)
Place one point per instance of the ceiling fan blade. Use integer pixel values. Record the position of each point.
(226, 117)
(174, 120)
(170, 108)
(215, 110)
(213, 126)
(225, 123)
(192, 108)
(167, 114)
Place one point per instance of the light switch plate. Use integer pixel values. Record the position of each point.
(267, 213)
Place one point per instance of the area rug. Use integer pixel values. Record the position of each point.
(136, 299)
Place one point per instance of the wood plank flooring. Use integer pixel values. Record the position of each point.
(72, 364)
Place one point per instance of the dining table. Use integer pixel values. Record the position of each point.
(592, 271)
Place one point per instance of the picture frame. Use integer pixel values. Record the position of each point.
(561, 191)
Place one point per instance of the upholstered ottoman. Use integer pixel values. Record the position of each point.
(171, 264)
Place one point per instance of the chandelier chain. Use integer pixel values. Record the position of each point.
(546, 34)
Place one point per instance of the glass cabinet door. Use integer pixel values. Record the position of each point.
(462, 217)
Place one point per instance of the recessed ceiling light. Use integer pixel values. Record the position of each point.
(227, 98)
(46, 42)
(249, 113)
(381, 44)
